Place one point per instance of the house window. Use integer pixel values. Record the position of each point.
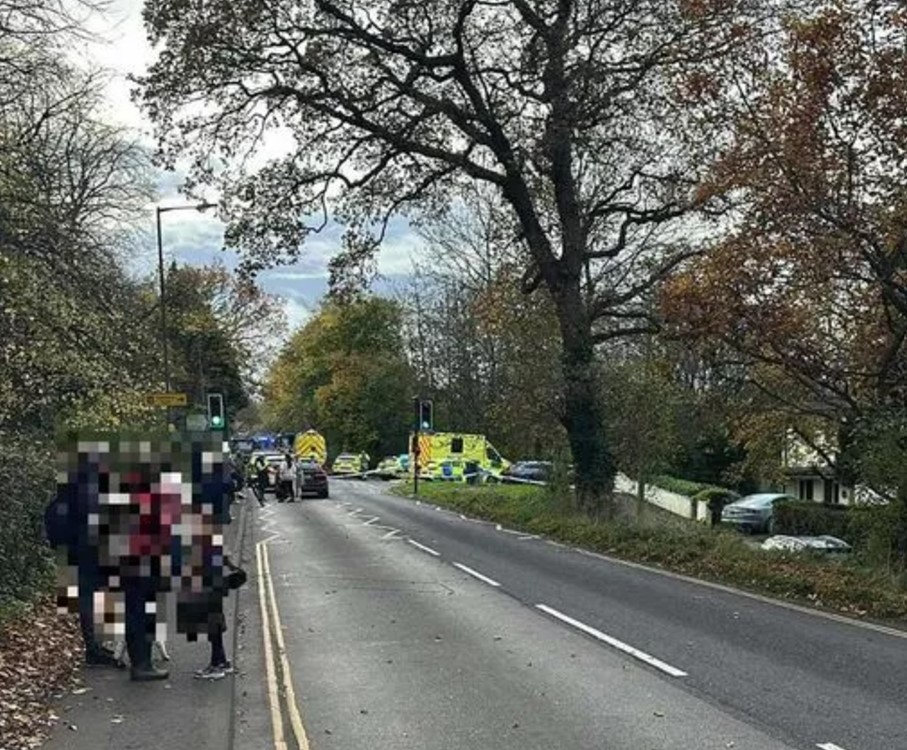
(806, 489)
(832, 493)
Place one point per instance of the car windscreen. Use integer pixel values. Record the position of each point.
(758, 501)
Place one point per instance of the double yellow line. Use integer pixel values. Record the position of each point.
(270, 615)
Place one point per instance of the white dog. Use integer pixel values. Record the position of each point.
(159, 648)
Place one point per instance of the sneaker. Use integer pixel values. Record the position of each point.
(225, 667)
(211, 672)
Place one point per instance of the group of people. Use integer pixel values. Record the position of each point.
(286, 487)
(139, 524)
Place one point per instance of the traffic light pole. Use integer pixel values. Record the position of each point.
(417, 412)
(416, 452)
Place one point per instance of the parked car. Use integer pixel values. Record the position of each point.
(527, 471)
(753, 514)
(348, 463)
(824, 543)
(392, 467)
(311, 479)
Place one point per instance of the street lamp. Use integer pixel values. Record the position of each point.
(160, 267)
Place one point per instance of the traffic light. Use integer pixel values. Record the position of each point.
(424, 417)
(216, 416)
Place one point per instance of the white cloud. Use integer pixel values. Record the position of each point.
(298, 313)
(119, 45)
(399, 250)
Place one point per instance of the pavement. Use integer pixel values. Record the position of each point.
(374, 622)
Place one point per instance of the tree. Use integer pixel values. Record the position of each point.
(223, 330)
(644, 419)
(69, 188)
(569, 109)
(809, 291)
(344, 374)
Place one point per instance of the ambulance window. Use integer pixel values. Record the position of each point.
(456, 445)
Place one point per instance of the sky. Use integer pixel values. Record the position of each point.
(120, 46)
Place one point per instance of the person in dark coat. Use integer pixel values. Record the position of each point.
(68, 531)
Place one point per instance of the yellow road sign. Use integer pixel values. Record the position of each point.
(166, 399)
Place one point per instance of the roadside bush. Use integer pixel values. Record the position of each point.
(805, 518)
(873, 531)
(26, 569)
(715, 495)
(684, 486)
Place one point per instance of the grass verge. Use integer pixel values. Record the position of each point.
(689, 548)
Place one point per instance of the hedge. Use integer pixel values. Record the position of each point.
(715, 495)
(26, 483)
(684, 486)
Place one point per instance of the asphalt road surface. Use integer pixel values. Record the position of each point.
(396, 625)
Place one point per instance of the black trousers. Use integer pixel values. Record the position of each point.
(138, 592)
(89, 582)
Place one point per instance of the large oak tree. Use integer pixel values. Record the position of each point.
(573, 110)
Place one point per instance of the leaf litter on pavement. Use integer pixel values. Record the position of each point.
(40, 654)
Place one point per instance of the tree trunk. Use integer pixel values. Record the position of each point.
(582, 416)
(640, 495)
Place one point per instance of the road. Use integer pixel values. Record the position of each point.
(406, 626)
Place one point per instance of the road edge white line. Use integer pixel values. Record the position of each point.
(422, 547)
(828, 746)
(476, 574)
(611, 641)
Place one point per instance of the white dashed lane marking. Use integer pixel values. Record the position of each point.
(422, 547)
(476, 574)
(619, 645)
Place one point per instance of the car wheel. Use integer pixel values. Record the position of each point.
(323, 494)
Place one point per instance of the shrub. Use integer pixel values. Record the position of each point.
(805, 518)
(716, 495)
(684, 486)
(26, 483)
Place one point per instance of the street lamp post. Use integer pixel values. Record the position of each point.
(165, 348)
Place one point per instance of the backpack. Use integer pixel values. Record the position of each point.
(56, 521)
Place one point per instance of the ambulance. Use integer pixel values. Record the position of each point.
(449, 456)
(311, 445)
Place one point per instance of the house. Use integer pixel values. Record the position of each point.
(808, 475)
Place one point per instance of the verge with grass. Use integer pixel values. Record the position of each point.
(692, 549)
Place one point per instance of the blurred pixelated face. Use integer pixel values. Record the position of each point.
(148, 508)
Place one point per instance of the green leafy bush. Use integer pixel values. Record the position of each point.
(684, 486)
(805, 518)
(26, 484)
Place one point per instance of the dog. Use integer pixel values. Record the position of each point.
(158, 648)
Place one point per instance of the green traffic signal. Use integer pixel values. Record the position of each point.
(217, 421)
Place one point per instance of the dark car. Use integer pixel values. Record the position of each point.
(753, 514)
(311, 479)
(528, 471)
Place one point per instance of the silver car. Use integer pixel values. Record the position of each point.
(753, 514)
